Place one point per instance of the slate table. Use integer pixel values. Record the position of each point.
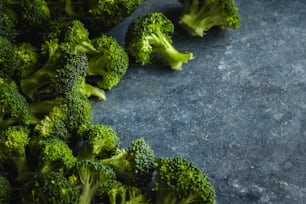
(238, 110)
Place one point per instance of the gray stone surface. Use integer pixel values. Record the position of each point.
(238, 110)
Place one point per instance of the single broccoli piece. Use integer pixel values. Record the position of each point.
(180, 182)
(14, 108)
(198, 16)
(52, 154)
(103, 15)
(5, 190)
(8, 21)
(26, 59)
(13, 143)
(91, 175)
(99, 141)
(7, 57)
(58, 75)
(135, 165)
(49, 188)
(149, 35)
(110, 61)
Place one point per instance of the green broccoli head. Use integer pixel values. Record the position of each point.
(99, 141)
(135, 165)
(179, 181)
(110, 61)
(14, 108)
(8, 22)
(198, 16)
(91, 175)
(49, 188)
(150, 35)
(5, 190)
(7, 57)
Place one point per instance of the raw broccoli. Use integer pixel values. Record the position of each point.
(149, 35)
(99, 141)
(8, 21)
(180, 182)
(5, 190)
(58, 75)
(110, 61)
(198, 16)
(103, 15)
(7, 57)
(49, 188)
(13, 143)
(52, 154)
(14, 108)
(91, 175)
(27, 58)
(135, 165)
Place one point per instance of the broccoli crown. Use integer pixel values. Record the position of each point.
(26, 59)
(58, 75)
(134, 166)
(198, 16)
(110, 61)
(14, 109)
(91, 175)
(180, 182)
(53, 155)
(107, 14)
(150, 35)
(7, 57)
(99, 141)
(49, 188)
(8, 22)
(5, 190)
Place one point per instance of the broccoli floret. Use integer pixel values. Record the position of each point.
(5, 190)
(180, 182)
(135, 165)
(49, 188)
(99, 141)
(13, 143)
(52, 154)
(103, 15)
(8, 21)
(91, 175)
(149, 35)
(198, 16)
(110, 62)
(7, 57)
(26, 59)
(14, 108)
(58, 75)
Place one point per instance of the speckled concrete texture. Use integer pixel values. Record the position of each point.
(238, 110)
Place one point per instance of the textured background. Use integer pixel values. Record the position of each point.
(238, 110)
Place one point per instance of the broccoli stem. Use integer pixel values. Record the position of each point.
(170, 54)
(89, 90)
(22, 167)
(87, 193)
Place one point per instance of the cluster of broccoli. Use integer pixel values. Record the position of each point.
(54, 55)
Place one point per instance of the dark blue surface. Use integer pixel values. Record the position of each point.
(238, 110)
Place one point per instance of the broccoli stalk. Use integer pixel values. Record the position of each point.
(149, 35)
(91, 175)
(198, 16)
(135, 165)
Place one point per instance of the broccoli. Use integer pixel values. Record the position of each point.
(7, 57)
(49, 188)
(149, 35)
(5, 190)
(58, 75)
(135, 165)
(198, 16)
(91, 175)
(8, 21)
(52, 154)
(102, 15)
(110, 61)
(26, 57)
(14, 108)
(13, 143)
(99, 141)
(180, 182)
